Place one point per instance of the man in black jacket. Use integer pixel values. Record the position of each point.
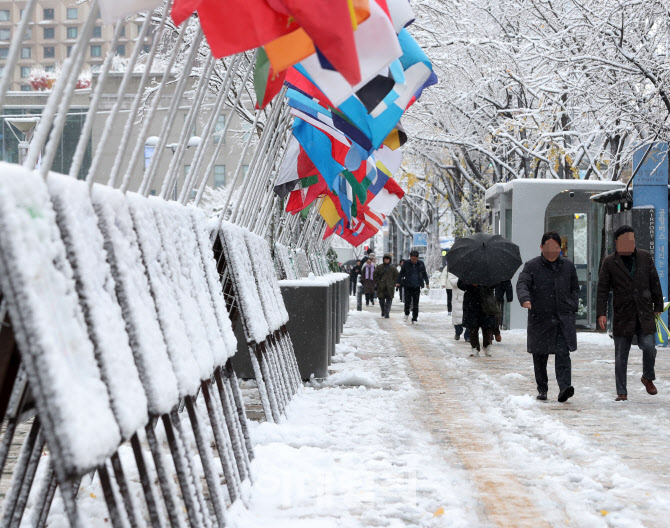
(412, 277)
(548, 287)
(353, 276)
(637, 299)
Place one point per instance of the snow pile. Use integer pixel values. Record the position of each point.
(96, 287)
(49, 325)
(238, 261)
(164, 285)
(134, 294)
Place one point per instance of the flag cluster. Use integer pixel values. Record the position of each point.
(352, 69)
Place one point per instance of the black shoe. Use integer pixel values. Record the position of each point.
(541, 395)
(386, 317)
(457, 337)
(565, 394)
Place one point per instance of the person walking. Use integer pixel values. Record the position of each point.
(457, 305)
(637, 299)
(502, 290)
(386, 276)
(444, 282)
(548, 287)
(368, 279)
(353, 276)
(413, 277)
(400, 288)
(479, 311)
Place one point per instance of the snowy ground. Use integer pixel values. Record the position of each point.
(410, 431)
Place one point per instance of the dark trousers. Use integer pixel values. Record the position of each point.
(412, 300)
(385, 304)
(459, 331)
(563, 366)
(352, 283)
(647, 342)
(499, 317)
(369, 298)
(401, 290)
(487, 337)
(449, 296)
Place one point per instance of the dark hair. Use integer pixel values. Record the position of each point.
(623, 229)
(414, 253)
(551, 235)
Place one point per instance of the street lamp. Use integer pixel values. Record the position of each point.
(152, 142)
(26, 125)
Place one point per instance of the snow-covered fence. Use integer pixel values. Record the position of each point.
(119, 318)
(254, 299)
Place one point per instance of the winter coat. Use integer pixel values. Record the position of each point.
(354, 273)
(386, 277)
(456, 300)
(479, 306)
(553, 292)
(368, 284)
(413, 275)
(640, 295)
(504, 289)
(444, 279)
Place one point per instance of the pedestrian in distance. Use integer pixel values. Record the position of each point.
(444, 282)
(549, 289)
(413, 277)
(631, 274)
(353, 276)
(368, 279)
(479, 311)
(457, 306)
(386, 276)
(400, 288)
(503, 291)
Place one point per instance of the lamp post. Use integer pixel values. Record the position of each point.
(25, 125)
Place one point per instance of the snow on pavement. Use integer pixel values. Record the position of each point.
(410, 431)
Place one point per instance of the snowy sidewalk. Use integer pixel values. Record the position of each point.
(410, 431)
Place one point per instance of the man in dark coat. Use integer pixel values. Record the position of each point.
(548, 287)
(502, 290)
(479, 311)
(637, 299)
(353, 276)
(412, 277)
(386, 277)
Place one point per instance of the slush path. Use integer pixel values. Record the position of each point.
(410, 431)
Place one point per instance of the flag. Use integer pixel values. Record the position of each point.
(112, 10)
(288, 172)
(267, 83)
(396, 138)
(377, 47)
(386, 198)
(328, 211)
(401, 14)
(292, 48)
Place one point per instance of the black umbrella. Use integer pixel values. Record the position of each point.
(484, 259)
(351, 262)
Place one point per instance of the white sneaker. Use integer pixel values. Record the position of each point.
(487, 351)
(475, 353)
(405, 318)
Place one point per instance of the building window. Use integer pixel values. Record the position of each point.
(49, 33)
(245, 169)
(5, 34)
(72, 32)
(218, 129)
(2, 71)
(121, 50)
(25, 72)
(4, 52)
(146, 48)
(26, 88)
(49, 69)
(123, 31)
(48, 14)
(4, 15)
(49, 52)
(97, 32)
(72, 13)
(26, 53)
(28, 35)
(219, 175)
(186, 169)
(96, 51)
